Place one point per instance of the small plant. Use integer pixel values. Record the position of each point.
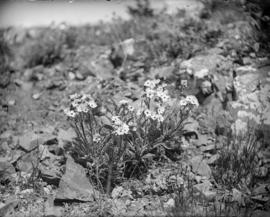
(238, 160)
(130, 138)
(47, 52)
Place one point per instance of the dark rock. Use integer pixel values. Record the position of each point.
(50, 166)
(74, 185)
(209, 148)
(4, 79)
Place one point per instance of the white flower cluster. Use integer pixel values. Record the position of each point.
(97, 138)
(120, 128)
(80, 103)
(189, 100)
(155, 115)
(156, 90)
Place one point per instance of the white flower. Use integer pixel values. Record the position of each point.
(70, 113)
(160, 118)
(82, 108)
(161, 110)
(130, 108)
(148, 113)
(183, 102)
(184, 83)
(164, 97)
(116, 120)
(96, 138)
(156, 81)
(74, 96)
(150, 93)
(150, 84)
(122, 129)
(192, 100)
(92, 104)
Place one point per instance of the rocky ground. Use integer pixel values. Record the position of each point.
(227, 72)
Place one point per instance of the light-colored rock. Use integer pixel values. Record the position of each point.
(200, 166)
(74, 185)
(6, 169)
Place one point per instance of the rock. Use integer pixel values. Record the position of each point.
(52, 211)
(200, 166)
(79, 76)
(28, 162)
(165, 72)
(247, 61)
(36, 96)
(8, 207)
(29, 141)
(50, 167)
(65, 136)
(74, 185)
(202, 140)
(260, 213)
(4, 79)
(190, 128)
(204, 189)
(245, 69)
(6, 170)
(169, 204)
(201, 73)
(212, 160)
(11, 102)
(209, 148)
(71, 76)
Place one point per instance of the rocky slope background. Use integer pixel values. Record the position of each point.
(217, 166)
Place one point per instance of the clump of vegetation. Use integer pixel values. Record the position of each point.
(47, 51)
(5, 52)
(130, 139)
(238, 160)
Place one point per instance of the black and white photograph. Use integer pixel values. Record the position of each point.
(146, 108)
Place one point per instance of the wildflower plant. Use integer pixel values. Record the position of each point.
(133, 136)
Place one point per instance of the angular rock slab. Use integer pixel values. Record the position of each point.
(199, 166)
(74, 186)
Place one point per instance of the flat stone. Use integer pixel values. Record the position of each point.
(29, 141)
(74, 185)
(200, 166)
